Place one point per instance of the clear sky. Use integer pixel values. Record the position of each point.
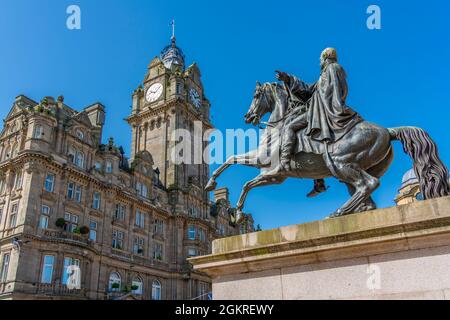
(398, 75)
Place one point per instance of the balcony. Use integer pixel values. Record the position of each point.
(59, 290)
(65, 236)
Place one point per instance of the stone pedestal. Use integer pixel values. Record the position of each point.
(394, 253)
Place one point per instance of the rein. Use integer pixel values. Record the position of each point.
(273, 123)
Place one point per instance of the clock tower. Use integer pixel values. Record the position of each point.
(171, 97)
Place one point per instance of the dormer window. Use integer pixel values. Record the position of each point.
(79, 159)
(108, 167)
(38, 132)
(80, 134)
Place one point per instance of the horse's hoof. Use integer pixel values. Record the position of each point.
(335, 214)
(211, 185)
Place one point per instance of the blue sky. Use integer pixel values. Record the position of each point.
(398, 75)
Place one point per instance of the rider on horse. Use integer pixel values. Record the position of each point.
(319, 108)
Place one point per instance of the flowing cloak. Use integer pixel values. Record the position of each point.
(329, 118)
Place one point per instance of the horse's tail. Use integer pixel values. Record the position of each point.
(429, 168)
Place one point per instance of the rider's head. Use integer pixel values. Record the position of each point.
(328, 55)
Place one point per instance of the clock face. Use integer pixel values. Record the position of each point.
(195, 98)
(154, 92)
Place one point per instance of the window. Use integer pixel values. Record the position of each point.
(13, 215)
(193, 212)
(96, 200)
(43, 220)
(1, 214)
(38, 132)
(115, 282)
(203, 290)
(117, 239)
(93, 230)
(14, 151)
(70, 190)
(157, 253)
(7, 153)
(72, 222)
(120, 212)
(80, 134)
(47, 269)
(18, 179)
(142, 189)
(201, 235)
(2, 185)
(78, 192)
(156, 290)
(137, 286)
(191, 233)
(79, 159)
(49, 182)
(69, 262)
(138, 246)
(98, 166)
(178, 88)
(159, 226)
(140, 219)
(192, 252)
(221, 229)
(5, 267)
(109, 167)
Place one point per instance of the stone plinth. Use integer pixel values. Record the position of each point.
(393, 253)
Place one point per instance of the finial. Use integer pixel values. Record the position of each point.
(173, 31)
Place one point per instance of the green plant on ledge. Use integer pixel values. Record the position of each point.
(115, 285)
(134, 287)
(60, 223)
(84, 230)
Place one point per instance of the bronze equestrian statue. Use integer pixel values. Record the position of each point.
(313, 134)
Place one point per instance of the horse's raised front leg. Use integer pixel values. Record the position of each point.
(248, 159)
(259, 181)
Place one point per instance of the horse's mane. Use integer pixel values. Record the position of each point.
(279, 96)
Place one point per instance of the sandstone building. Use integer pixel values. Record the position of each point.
(127, 225)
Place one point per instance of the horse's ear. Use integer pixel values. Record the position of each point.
(258, 84)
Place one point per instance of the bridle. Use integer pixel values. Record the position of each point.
(271, 123)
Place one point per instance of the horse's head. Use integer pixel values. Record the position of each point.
(268, 98)
(261, 104)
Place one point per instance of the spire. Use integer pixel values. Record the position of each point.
(172, 55)
(172, 24)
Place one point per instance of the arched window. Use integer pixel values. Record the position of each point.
(115, 281)
(137, 286)
(156, 290)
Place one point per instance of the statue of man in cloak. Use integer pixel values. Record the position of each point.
(319, 109)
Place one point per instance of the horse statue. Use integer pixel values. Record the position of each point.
(359, 159)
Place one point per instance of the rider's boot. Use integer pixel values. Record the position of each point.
(319, 187)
